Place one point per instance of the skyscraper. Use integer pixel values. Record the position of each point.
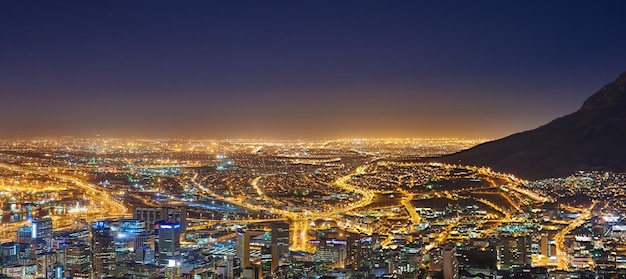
(359, 249)
(280, 238)
(24, 234)
(10, 252)
(450, 263)
(332, 251)
(243, 248)
(168, 242)
(153, 214)
(77, 259)
(268, 260)
(42, 228)
(145, 240)
(103, 248)
(513, 251)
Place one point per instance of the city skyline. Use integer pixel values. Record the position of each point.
(301, 70)
(297, 140)
(137, 208)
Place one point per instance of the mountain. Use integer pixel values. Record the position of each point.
(592, 138)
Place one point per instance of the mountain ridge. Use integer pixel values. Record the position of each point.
(591, 138)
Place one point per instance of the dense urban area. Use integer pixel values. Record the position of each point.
(173, 208)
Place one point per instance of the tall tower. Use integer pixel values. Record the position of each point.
(243, 248)
(280, 238)
(332, 251)
(10, 253)
(77, 260)
(153, 214)
(42, 228)
(359, 250)
(450, 263)
(169, 242)
(268, 260)
(103, 250)
(513, 251)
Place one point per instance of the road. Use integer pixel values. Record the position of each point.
(407, 202)
(105, 205)
(301, 221)
(559, 239)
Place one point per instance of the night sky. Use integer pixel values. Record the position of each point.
(301, 69)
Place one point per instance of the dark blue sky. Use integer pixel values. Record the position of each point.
(292, 69)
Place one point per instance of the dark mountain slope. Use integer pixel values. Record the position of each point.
(592, 138)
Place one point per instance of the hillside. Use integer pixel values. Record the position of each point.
(592, 138)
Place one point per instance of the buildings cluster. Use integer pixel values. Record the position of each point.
(142, 247)
(200, 216)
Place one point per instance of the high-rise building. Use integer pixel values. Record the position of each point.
(103, 249)
(280, 238)
(243, 248)
(42, 228)
(252, 272)
(168, 242)
(450, 263)
(513, 251)
(77, 259)
(60, 238)
(10, 252)
(45, 263)
(359, 250)
(58, 271)
(144, 255)
(132, 226)
(15, 253)
(25, 234)
(332, 251)
(126, 230)
(153, 214)
(143, 240)
(269, 261)
(225, 268)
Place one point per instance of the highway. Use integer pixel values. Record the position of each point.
(559, 239)
(407, 202)
(104, 204)
(300, 221)
(206, 223)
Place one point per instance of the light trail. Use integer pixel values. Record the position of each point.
(406, 201)
(559, 239)
(107, 206)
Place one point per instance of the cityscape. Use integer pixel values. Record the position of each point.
(352, 139)
(353, 208)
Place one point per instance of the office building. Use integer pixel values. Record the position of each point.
(280, 238)
(332, 251)
(41, 228)
(243, 248)
(513, 251)
(77, 259)
(450, 263)
(103, 250)
(25, 234)
(168, 244)
(269, 261)
(143, 240)
(359, 250)
(10, 252)
(153, 214)
(61, 238)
